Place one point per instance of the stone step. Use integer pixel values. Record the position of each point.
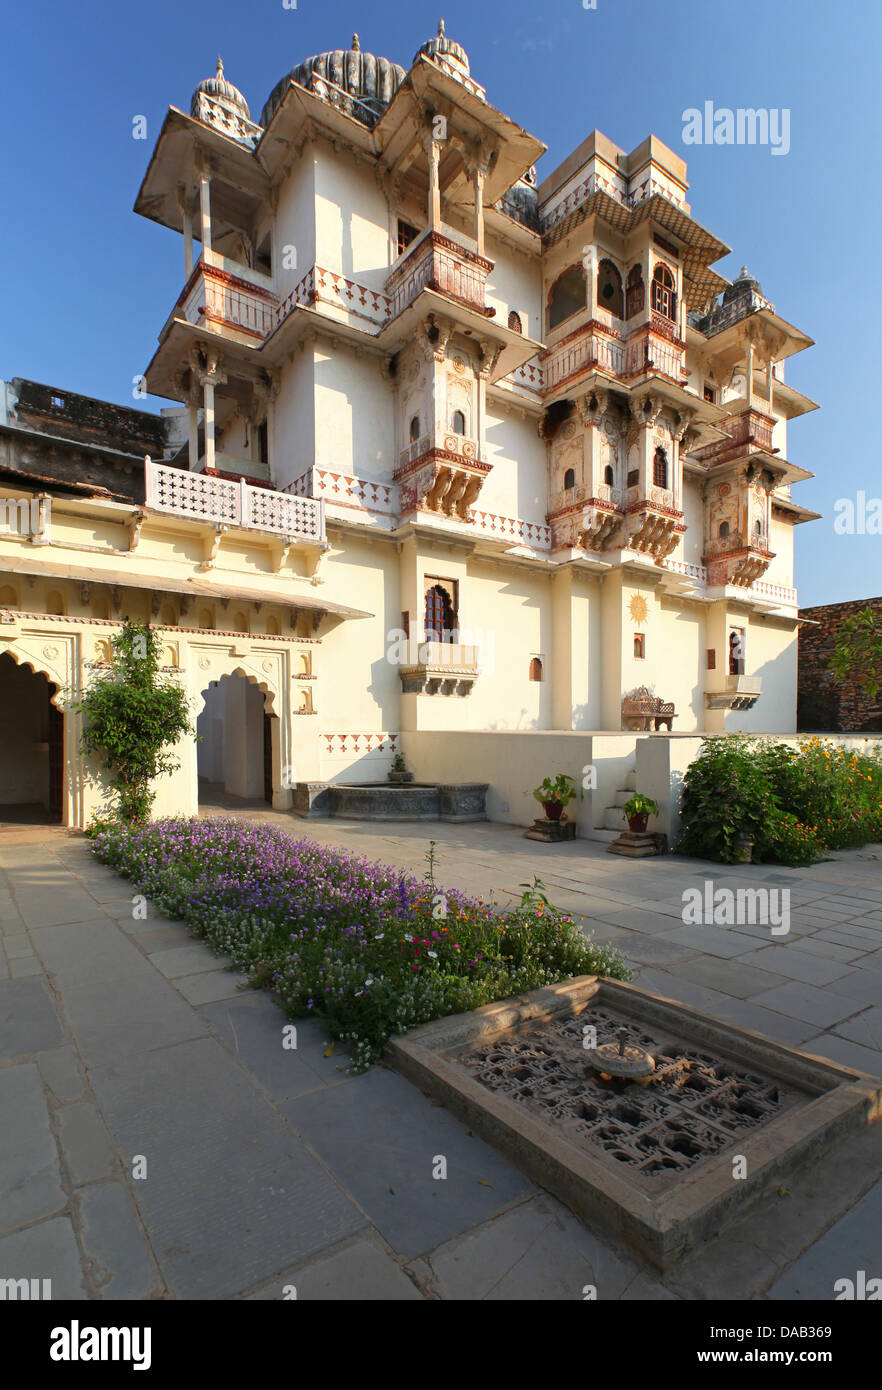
(631, 780)
(621, 796)
(614, 820)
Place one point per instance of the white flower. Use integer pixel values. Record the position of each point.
(433, 954)
(407, 936)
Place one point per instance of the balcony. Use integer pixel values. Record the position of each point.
(749, 432)
(217, 299)
(644, 353)
(734, 559)
(733, 692)
(221, 502)
(438, 263)
(439, 668)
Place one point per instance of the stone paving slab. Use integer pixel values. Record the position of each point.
(121, 1262)
(252, 1027)
(85, 1143)
(400, 1136)
(852, 1244)
(807, 1003)
(30, 1175)
(231, 1194)
(28, 1020)
(46, 1251)
(359, 1273)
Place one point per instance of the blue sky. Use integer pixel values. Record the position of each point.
(86, 285)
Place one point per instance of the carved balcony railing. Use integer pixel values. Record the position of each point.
(446, 442)
(643, 353)
(320, 287)
(215, 298)
(749, 432)
(221, 502)
(438, 263)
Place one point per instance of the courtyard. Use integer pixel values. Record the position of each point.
(166, 1145)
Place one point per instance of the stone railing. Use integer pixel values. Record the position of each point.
(346, 490)
(780, 592)
(330, 287)
(512, 528)
(686, 568)
(645, 352)
(210, 111)
(215, 298)
(222, 502)
(459, 444)
(438, 263)
(530, 376)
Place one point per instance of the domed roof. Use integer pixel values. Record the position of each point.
(221, 90)
(366, 78)
(744, 283)
(445, 48)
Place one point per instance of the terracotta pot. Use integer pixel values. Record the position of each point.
(553, 809)
(637, 824)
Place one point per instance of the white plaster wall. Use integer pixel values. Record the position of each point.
(293, 441)
(515, 282)
(351, 219)
(355, 415)
(517, 486)
(771, 654)
(295, 223)
(509, 609)
(360, 687)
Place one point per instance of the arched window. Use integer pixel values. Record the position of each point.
(414, 429)
(240, 623)
(635, 292)
(664, 293)
(459, 422)
(206, 618)
(609, 476)
(660, 469)
(569, 479)
(440, 615)
(54, 603)
(724, 530)
(514, 322)
(758, 528)
(567, 296)
(609, 288)
(8, 597)
(535, 669)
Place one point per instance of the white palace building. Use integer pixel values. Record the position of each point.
(479, 466)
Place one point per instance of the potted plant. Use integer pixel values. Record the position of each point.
(556, 793)
(637, 810)
(398, 771)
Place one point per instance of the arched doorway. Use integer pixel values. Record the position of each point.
(235, 751)
(31, 745)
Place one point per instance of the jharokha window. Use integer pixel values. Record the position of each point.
(635, 294)
(567, 296)
(660, 469)
(459, 422)
(569, 479)
(414, 429)
(514, 322)
(664, 293)
(406, 234)
(441, 619)
(609, 289)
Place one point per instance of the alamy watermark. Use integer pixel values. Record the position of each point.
(858, 516)
(737, 907)
(743, 126)
(22, 516)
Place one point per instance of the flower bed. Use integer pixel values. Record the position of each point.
(371, 950)
(795, 803)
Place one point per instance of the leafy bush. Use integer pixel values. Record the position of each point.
(795, 803)
(132, 717)
(371, 950)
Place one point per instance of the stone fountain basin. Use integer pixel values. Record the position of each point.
(650, 1162)
(408, 801)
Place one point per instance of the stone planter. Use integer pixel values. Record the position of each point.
(744, 846)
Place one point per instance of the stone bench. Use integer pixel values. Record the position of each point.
(643, 710)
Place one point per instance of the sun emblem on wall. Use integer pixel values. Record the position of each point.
(639, 608)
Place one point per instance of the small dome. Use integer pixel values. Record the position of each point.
(444, 47)
(221, 90)
(744, 284)
(369, 80)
